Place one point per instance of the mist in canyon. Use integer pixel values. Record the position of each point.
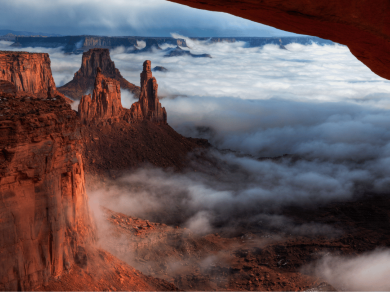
(322, 109)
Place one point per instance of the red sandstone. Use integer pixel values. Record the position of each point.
(44, 214)
(148, 107)
(105, 105)
(30, 73)
(84, 78)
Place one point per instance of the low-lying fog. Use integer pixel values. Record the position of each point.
(318, 103)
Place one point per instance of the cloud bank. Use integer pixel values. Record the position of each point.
(317, 103)
(118, 18)
(366, 272)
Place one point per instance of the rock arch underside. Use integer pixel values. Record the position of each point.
(362, 25)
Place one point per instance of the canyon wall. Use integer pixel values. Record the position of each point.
(362, 25)
(45, 222)
(84, 78)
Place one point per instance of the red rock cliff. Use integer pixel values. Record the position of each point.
(362, 25)
(84, 78)
(44, 215)
(29, 72)
(105, 104)
(148, 107)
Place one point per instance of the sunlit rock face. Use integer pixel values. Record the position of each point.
(148, 101)
(105, 105)
(362, 25)
(84, 78)
(44, 216)
(30, 73)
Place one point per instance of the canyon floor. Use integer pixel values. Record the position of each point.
(250, 258)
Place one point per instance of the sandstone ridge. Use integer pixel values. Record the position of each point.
(84, 78)
(105, 105)
(362, 25)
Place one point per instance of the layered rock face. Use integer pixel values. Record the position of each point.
(45, 222)
(148, 107)
(29, 72)
(362, 25)
(84, 78)
(105, 104)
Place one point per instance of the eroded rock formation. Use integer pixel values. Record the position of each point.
(148, 107)
(105, 104)
(30, 73)
(362, 25)
(45, 222)
(84, 78)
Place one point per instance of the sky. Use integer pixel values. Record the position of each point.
(124, 18)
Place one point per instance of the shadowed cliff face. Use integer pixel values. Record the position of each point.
(84, 79)
(44, 215)
(362, 25)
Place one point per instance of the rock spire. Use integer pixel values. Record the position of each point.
(149, 103)
(106, 101)
(105, 104)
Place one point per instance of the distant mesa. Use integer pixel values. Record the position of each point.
(178, 52)
(151, 47)
(82, 43)
(159, 69)
(84, 78)
(105, 105)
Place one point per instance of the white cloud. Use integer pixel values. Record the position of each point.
(316, 102)
(117, 17)
(365, 272)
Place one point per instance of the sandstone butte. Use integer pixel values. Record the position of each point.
(105, 105)
(84, 78)
(46, 228)
(30, 73)
(362, 25)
